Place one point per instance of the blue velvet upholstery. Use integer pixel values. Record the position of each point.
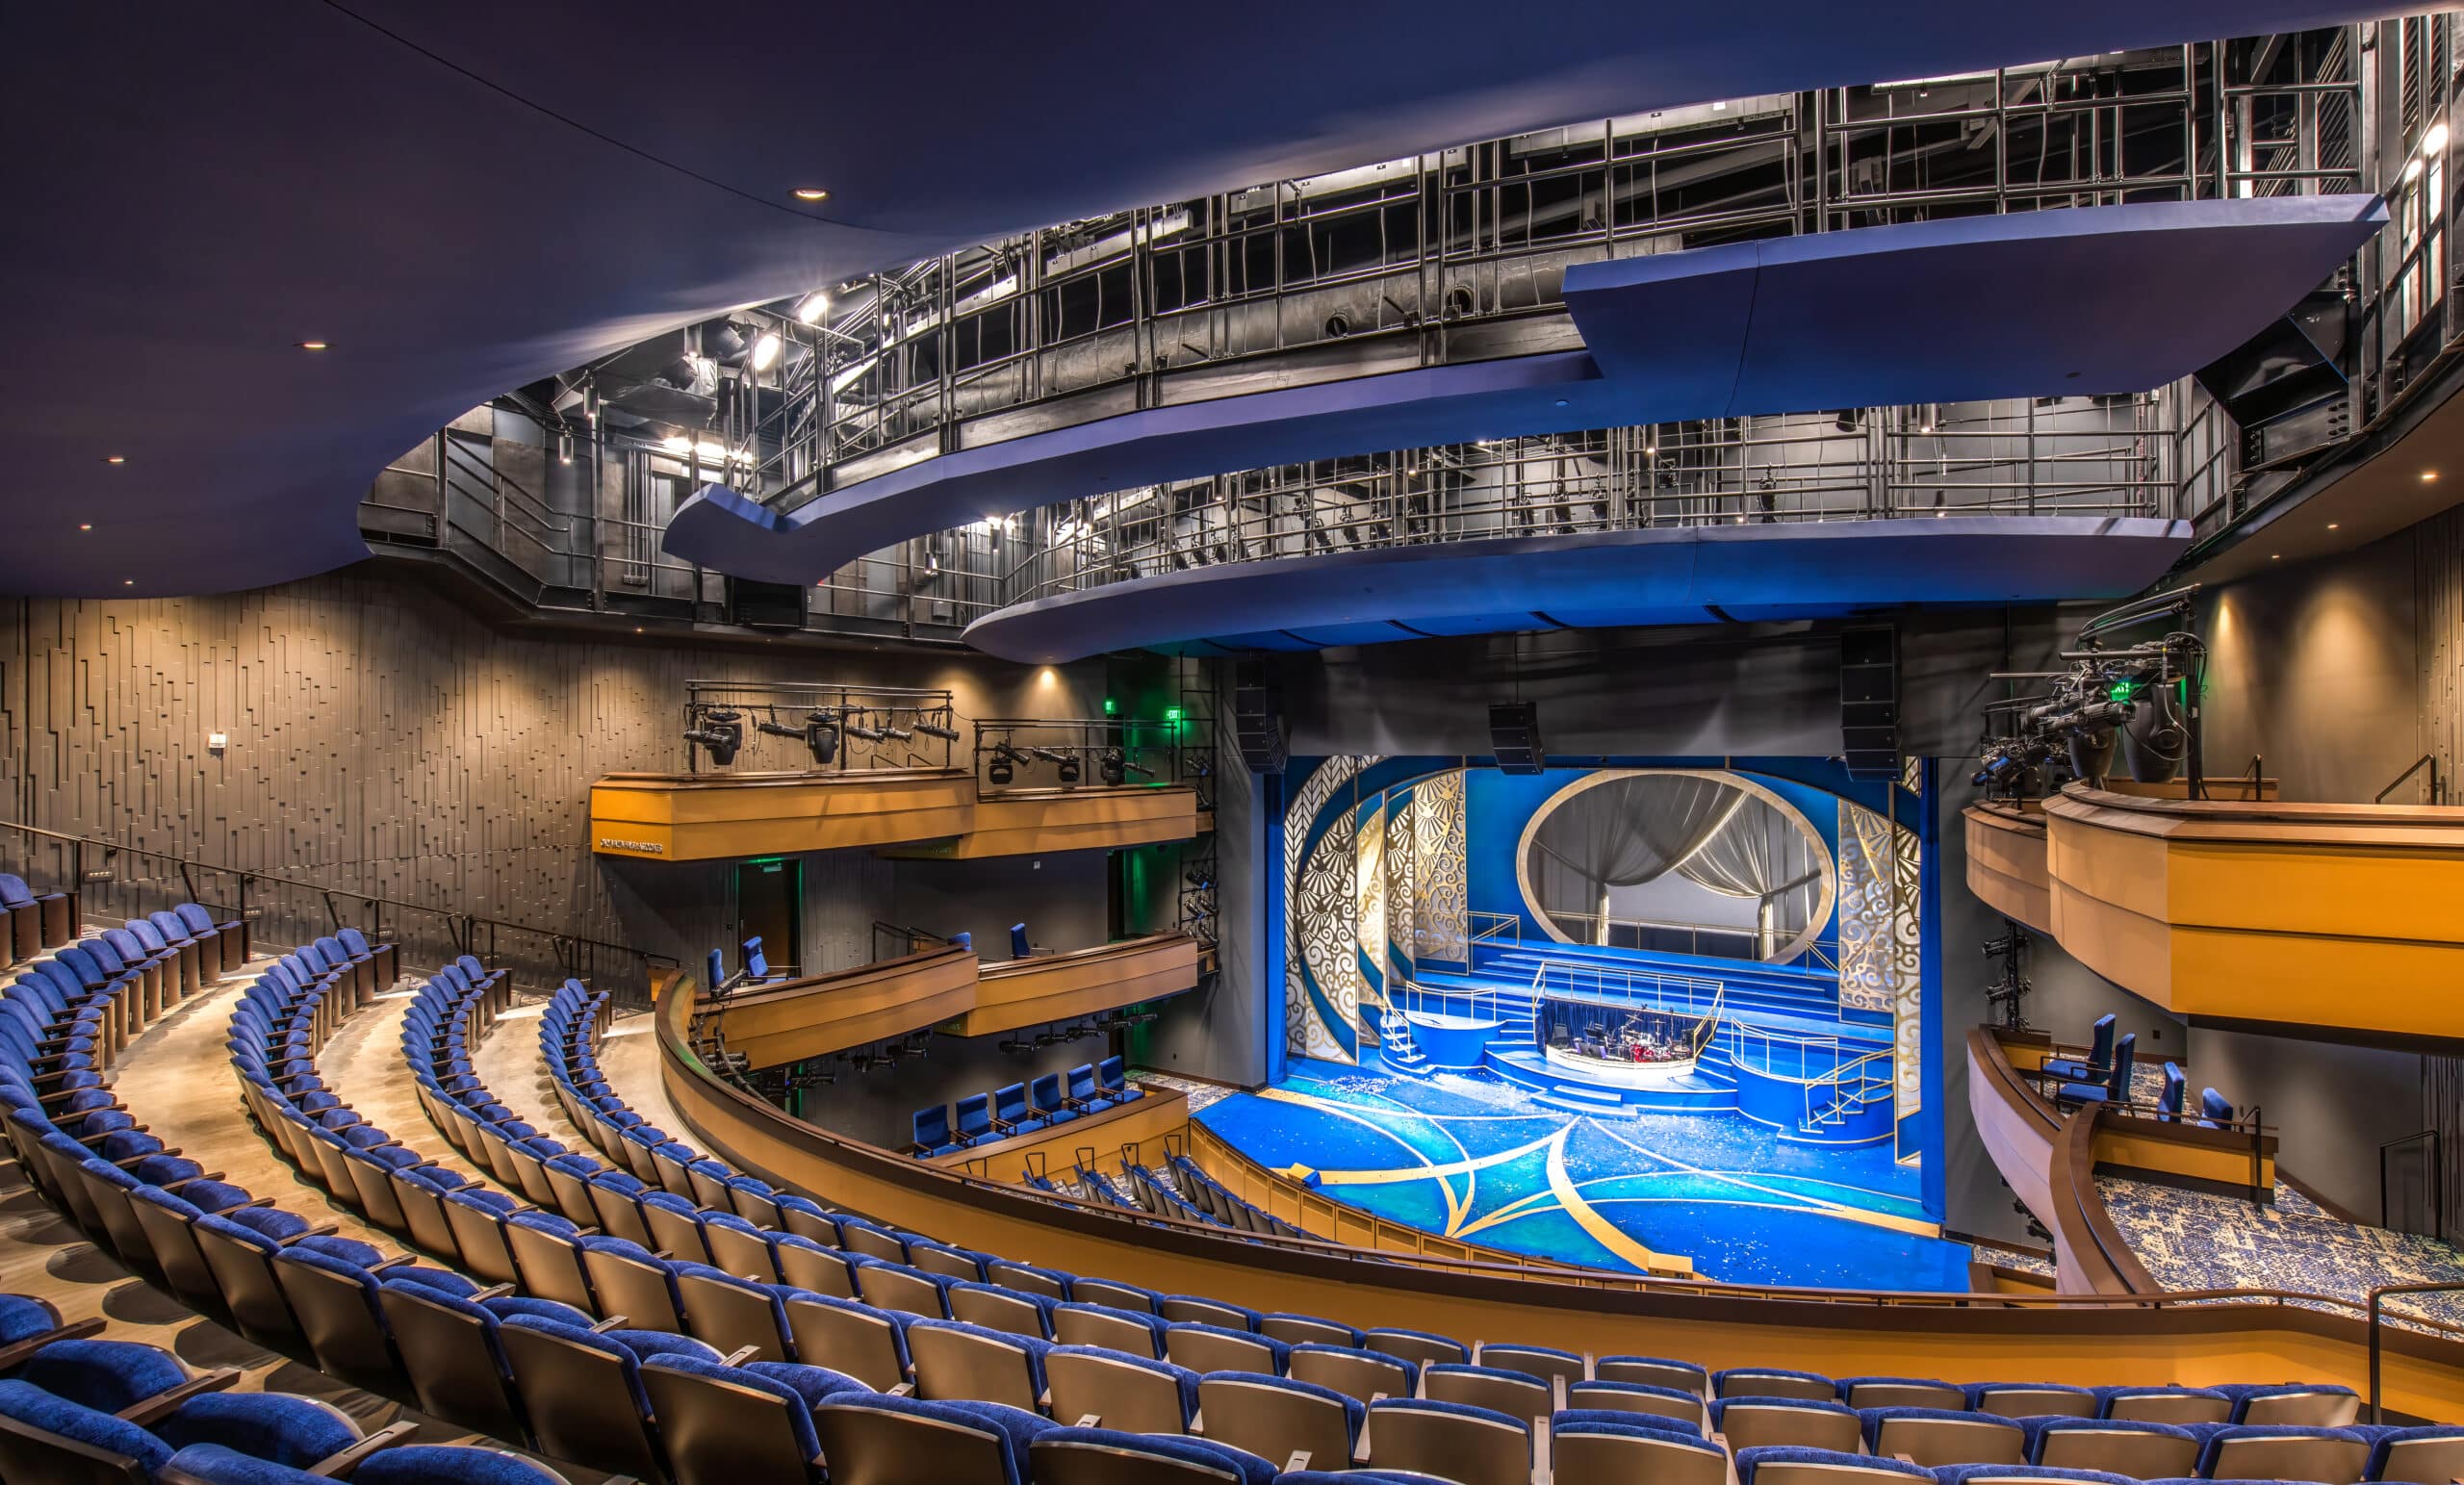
(1354, 1410)
(292, 1431)
(106, 1374)
(2244, 1394)
(1279, 1351)
(1720, 1407)
(2389, 1441)
(22, 1318)
(2106, 1396)
(1745, 1375)
(1462, 1352)
(2231, 1433)
(1647, 1422)
(2039, 1427)
(25, 1403)
(1977, 1392)
(1377, 1410)
(1959, 1474)
(1248, 1468)
(1016, 1428)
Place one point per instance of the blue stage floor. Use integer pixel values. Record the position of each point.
(1476, 1160)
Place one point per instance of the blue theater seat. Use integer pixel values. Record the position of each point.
(1010, 1115)
(1053, 1104)
(1796, 1465)
(975, 1118)
(1019, 948)
(1112, 1078)
(2100, 1057)
(933, 1132)
(1101, 1457)
(2213, 1108)
(2169, 1102)
(2116, 1086)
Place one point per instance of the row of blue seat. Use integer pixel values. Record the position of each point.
(31, 921)
(2104, 1074)
(1056, 1098)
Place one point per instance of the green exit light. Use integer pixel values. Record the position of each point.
(2121, 691)
(1111, 706)
(1171, 714)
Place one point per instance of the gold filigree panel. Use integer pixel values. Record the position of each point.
(1881, 961)
(1441, 892)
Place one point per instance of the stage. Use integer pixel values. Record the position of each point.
(1485, 1162)
(1641, 1017)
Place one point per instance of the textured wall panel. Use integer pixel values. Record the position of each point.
(382, 740)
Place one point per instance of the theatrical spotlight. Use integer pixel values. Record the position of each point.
(719, 732)
(940, 729)
(862, 729)
(1116, 767)
(820, 733)
(1004, 766)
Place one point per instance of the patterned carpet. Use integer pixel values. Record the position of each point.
(1477, 1159)
(2192, 1241)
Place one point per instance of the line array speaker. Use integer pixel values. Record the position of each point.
(1869, 702)
(1258, 726)
(1514, 736)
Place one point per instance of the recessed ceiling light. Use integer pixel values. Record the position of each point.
(2429, 477)
(312, 344)
(2276, 556)
(128, 582)
(84, 525)
(115, 458)
(811, 193)
(1561, 402)
(2332, 525)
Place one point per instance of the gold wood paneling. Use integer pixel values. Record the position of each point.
(1031, 823)
(2017, 1127)
(679, 817)
(932, 813)
(2006, 864)
(1843, 1335)
(1136, 1130)
(799, 1019)
(1055, 986)
(2301, 915)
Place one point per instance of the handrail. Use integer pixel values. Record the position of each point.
(2429, 758)
(2376, 1296)
(463, 929)
(1205, 1240)
(1836, 1080)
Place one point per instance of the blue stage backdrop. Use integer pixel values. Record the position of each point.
(1757, 951)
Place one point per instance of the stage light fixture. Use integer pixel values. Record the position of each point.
(1069, 771)
(819, 733)
(765, 352)
(813, 306)
(863, 729)
(718, 731)
(1113, 767)
(940, 729)
(1004, 766)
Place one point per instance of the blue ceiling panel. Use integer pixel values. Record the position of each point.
(1655, 577)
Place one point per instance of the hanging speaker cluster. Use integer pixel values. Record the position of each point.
(1869, 702)
(1514, 737)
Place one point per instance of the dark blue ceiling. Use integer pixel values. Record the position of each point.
(2101, 300)
(1686, 574)
(463, 197)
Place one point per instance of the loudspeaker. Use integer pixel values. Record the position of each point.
(1258, 728)
(765, 605)
(1869, 702)
(1514, 736)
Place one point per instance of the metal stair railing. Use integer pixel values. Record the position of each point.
(1851, 1091)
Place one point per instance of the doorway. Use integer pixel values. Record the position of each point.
(770, 904)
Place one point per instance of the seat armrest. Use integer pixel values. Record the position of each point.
(612, 1322)
(163, 1403)
(740, 1356)
(396, 1262)
(492, 1291)
(15, 1352)
(340, 1464)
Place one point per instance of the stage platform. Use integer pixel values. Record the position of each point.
(1476, 1157)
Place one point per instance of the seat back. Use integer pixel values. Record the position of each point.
(728, 1314)
(450, 1352)
(908, 1290)
(1830, 1467)
(823, 1270)
(2185, 1406)
(994, 1308)
(337, 1309)
(1212, 1349)
(1639, 1398)
(1752, 1382)
(2169, 1102)
(2023, 1399)
(1275, 1419)
(849, 1337)
(2125, 1057)
(1010, 1103)
(1082, 1080)
(1119, 1330)
(1108, 1291)
(1047, 1093)
(1191, 1310)
(962, 1363)
(2328, 1456)
(1753, 1423)
(2147, 1452)
(1933, 1437)
(932, 1127)
(1102, 1456)
(1593, 1452)
(1464, 1444)
(876, 1444)
(2427, 1456)
(1547, 1363)
(1352, 1371)
(1118, 1389)
(1653, 1372)
(1112, 1076)
(581, 1396)
(1903, 1393)
(2306, 1407)
(1019, 948)
(1514, 1393)
(634, 1285)
(756, 964)
(1417, 1347)
(727, 1426)
(2101, 1047)
(871, 1240)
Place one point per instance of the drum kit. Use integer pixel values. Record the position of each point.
(1635, 1040)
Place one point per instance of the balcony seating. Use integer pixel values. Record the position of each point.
(2099, 1061)
(1134, 1394)
(1019, 948)
(1010, 1115)
(2214, 1107)
(2169, 1102)
(933, 1134)
(2115, 1085)
(2139, 1448)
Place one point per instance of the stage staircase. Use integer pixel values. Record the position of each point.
(1397, 1052)
(1849, 1090)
